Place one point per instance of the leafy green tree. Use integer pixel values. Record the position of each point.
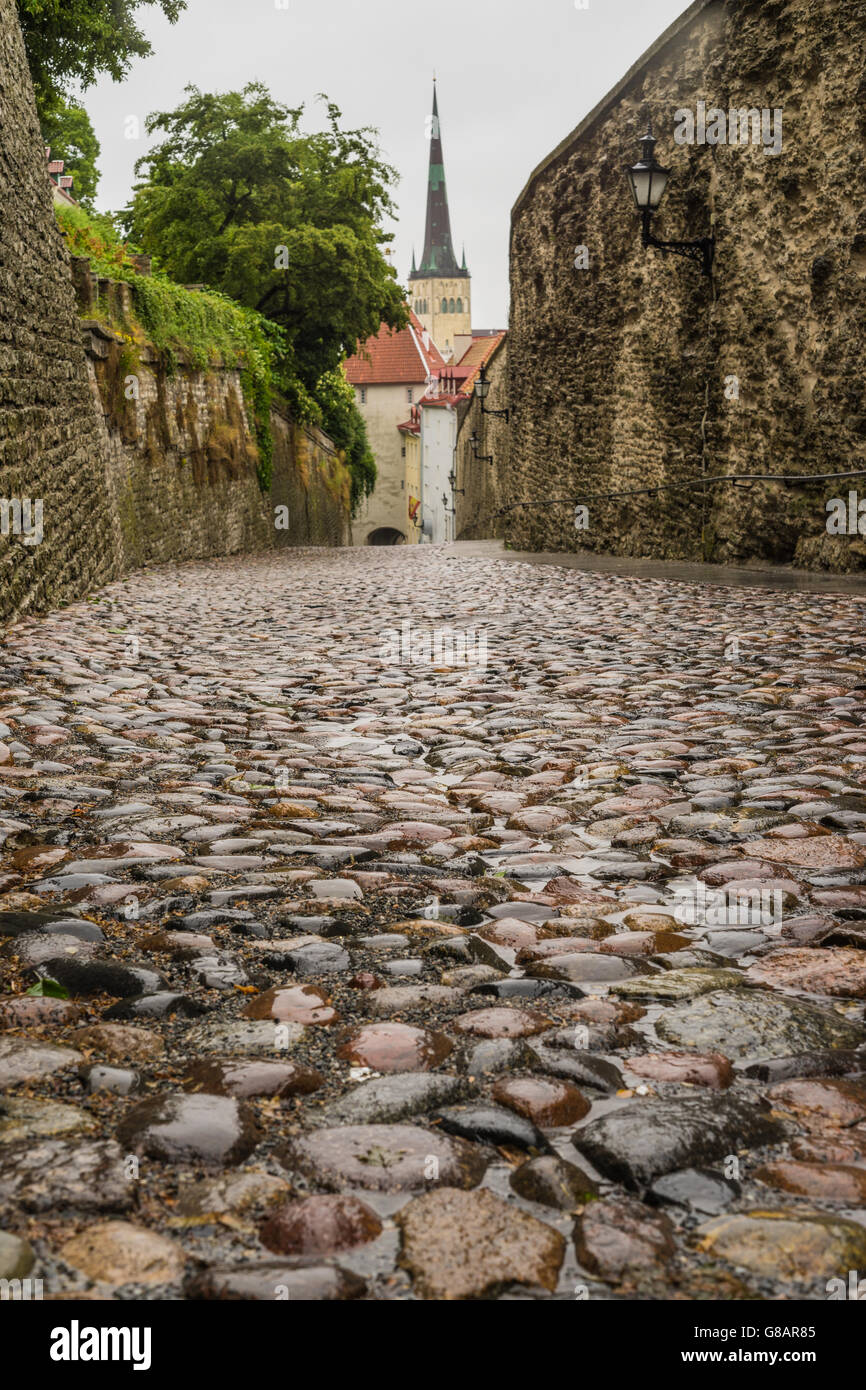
(238, 197)
(67, 129)
(73, 41)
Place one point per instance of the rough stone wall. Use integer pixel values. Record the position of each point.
(618, 373)
(309, 480)
(169, 475)
(50, 442)
(183, 463)
(484, 484)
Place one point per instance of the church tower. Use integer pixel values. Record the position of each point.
(439, 289)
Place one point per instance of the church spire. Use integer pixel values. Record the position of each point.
(438, 257)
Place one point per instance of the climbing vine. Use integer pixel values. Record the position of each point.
(201, 328)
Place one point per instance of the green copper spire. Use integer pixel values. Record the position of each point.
(438, 257)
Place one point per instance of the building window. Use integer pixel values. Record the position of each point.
(460, 306)
(425, 306)
(363, 395)
(451, 307)
(445, 306)
(409, 395)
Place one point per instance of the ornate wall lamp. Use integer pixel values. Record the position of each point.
(479, 458)
(648, 181)
(452, 479)
(482, 386)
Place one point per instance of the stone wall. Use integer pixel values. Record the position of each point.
(620, 373)
(111, 478)
(183, 462)
(484, 485)
(51, 448)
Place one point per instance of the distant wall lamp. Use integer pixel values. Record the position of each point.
(648, 181)
(452, 478)
(479, 458)
(482, 386)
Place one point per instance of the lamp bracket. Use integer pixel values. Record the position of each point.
(702, 251)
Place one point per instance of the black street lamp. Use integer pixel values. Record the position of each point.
(445, 506)
(479, 458)
(648, 181)
(482, 386)
(452, 478)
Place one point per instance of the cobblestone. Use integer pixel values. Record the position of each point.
(333, 898)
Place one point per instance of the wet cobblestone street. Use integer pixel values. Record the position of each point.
(333, 968)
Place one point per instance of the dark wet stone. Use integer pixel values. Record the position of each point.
(252, 1078)
(67, 883)
(401, 969)
(614, 1237)
(190, 1129)
(585, 967)
(160, 1005)
(35, 948)
(553, 1182)
(580, 1067)
(388, 1099)
(649, 1138)
(16, 923)
(839, 1063)
(698, 1189)
(116, 1081)
(500, 1054)
(88, 977)
(523, 989)
(385, 1158)
(318, 959)
(321, 1225)
(214, 917)
(318, 925)
(756, 1024)
(491, 1124)
(275, 1281)
(49, 1174)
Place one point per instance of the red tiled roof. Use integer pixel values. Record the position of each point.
(477, 355)
(391, 358)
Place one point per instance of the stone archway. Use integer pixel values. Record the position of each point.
(386, 535)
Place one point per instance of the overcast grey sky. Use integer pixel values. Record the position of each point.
(514, 79)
